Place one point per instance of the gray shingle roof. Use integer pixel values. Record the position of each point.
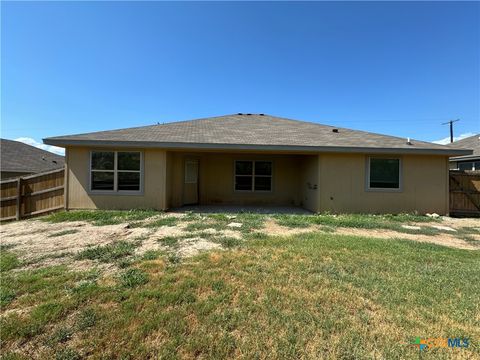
(20, 157)
(472, 142)
(255, 131)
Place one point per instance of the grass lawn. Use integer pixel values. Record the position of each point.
(313, 295)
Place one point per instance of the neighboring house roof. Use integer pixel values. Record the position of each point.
(472, 142)
(252, 132)
(19, 157)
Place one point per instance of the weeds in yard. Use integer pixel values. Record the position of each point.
(109, 252)
(100, 217)
(46, 257)
(163, 221)
(362, 221)
(169, 240)
(250, 221)
(219, 222)
(174, 259)
(63, 232)
(86, 319)
(226, 241)
(67, 354)
(124, 263)
(132, 278)
(5, 247)
(206, 224)
(468, 238)
(152, 254)
(61, 335)
(284, 297)
(8, 261)
(6, 297)
(278, 297)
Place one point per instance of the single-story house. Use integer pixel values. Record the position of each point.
(466, 162)
(255, 159)
(19, 159)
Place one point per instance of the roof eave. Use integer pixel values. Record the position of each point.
(209, 146)
(466, 157)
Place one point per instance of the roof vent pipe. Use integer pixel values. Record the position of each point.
(409, 142)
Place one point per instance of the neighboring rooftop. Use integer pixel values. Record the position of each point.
(472, 142)
(22, 158)
(252, 132)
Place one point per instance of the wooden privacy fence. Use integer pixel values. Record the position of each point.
(464, 193)
(32, 195)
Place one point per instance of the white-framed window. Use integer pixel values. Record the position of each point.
(384, 173)
(253, 175)
(116, 171)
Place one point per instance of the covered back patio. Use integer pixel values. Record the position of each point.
(241, 179)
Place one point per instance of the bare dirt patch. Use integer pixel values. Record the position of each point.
(193, 246)
(273, 228)
(461, 222)
(450, 225)
(33, 242)
(440, 239)
(30, 239)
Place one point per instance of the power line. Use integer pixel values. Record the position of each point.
(451, 128)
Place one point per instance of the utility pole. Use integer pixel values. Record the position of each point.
(451, 128)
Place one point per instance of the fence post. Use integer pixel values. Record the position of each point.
(18, 214)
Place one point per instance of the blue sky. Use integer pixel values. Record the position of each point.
(393, 68)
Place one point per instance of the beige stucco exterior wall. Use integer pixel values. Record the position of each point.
(342, 186)
(216, 179)
(154, 183)
(309, 175)
(324, 182)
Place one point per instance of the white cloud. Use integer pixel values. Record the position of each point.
(446, 140)
(33, 142)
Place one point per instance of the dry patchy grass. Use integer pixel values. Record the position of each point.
(309, 295)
